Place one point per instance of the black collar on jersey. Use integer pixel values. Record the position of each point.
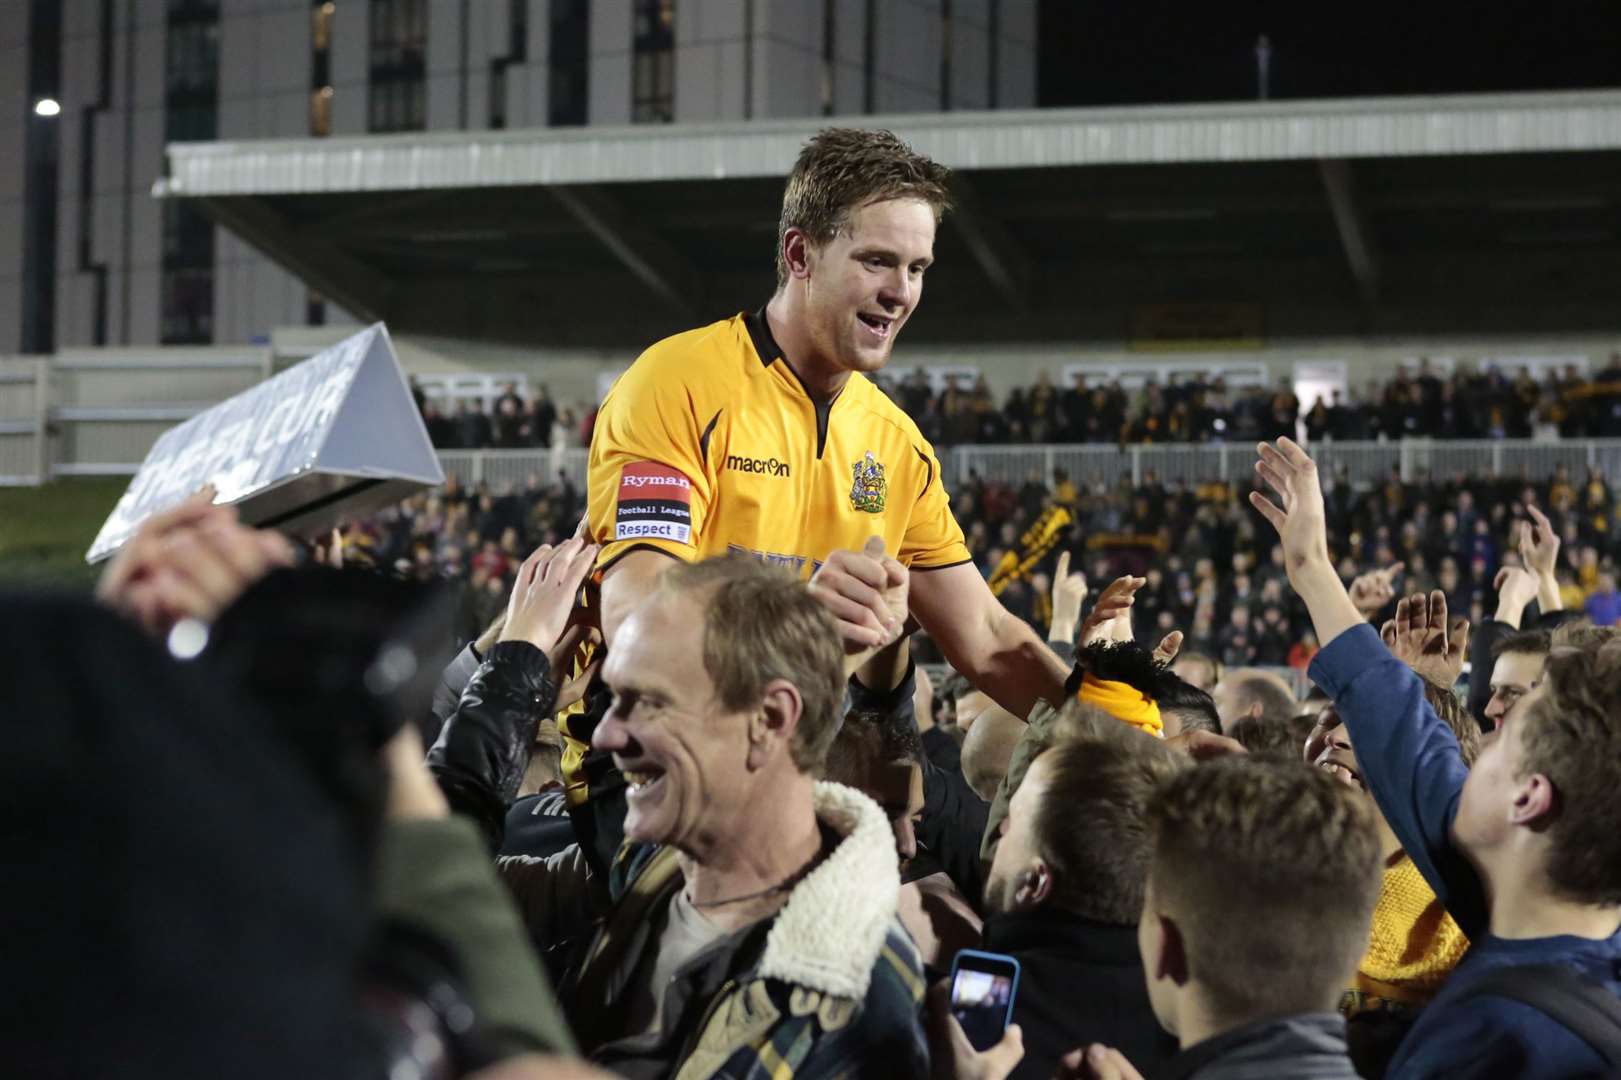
(760, 333)
(766, 345)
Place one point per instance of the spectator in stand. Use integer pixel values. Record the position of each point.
(441, 429)
(509, 421)
(541, 416)
(473, 426)
(1604, 604)
(1236, 641)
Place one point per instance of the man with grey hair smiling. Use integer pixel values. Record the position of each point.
(715, 953)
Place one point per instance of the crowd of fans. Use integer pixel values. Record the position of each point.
(1467, 403)
(665, 791)
(1210, 567)
(511, 423)
(1104, 843)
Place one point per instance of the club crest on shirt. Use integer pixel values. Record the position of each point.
(868, 486)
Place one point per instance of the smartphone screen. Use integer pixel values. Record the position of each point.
(982, 990)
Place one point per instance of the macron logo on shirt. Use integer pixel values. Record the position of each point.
(764, 466)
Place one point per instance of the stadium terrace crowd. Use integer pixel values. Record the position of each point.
(1467, 403)
(1209, 569)
(667, 791)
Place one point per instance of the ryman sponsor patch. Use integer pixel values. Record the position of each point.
(655, 502)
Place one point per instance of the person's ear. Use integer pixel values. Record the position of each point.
(797, 252)
(1035, 885)
(1170, 959)
(774, 722)
(1533, 802)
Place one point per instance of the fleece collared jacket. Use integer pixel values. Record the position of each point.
(830, 985)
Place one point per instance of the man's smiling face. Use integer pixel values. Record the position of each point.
(863, 284)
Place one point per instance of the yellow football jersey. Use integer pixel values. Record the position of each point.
(710, 444)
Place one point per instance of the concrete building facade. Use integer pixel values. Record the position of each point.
(88, 257)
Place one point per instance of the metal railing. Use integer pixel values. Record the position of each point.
(1357, 463)
(514, 470)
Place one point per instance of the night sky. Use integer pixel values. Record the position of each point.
(1118, 52)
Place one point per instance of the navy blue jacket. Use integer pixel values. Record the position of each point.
(1411, 763)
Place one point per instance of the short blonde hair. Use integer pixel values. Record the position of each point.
(761, 624)
(1270, 870)
(842, 169)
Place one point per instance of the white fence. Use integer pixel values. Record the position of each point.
(1359, 463)
(97, 412)
(1356, 462)
(513, 470)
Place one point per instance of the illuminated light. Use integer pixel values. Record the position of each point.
(188, 639)
(47, 107)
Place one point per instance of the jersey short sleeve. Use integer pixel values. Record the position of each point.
(647, 484)
(933, 537)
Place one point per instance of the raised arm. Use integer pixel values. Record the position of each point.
(1410, 759)
(480, 755)
(997, 652)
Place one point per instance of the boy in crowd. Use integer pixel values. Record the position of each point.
(1523, 850)
(1260, 892)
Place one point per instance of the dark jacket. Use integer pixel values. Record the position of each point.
(1080, 982)
(1307, 1046)
(1415, 771)
(953, 820)
(481, 754)
(538, 825)
(940, 747)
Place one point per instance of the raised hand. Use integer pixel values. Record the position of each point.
(191, 561)
(1372, 591)
(1516, 588)
(1069, 593)
(1299, 519)
(1539, 550)
(546, 592)
(1422, 638)
(1539, 543)
(1300, 522)
(1168, 647)
(1111, 615)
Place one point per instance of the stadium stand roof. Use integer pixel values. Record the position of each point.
(1300, 218)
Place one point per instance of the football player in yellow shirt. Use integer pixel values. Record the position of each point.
(761, 433)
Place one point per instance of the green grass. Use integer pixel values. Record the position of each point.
(45, 531)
